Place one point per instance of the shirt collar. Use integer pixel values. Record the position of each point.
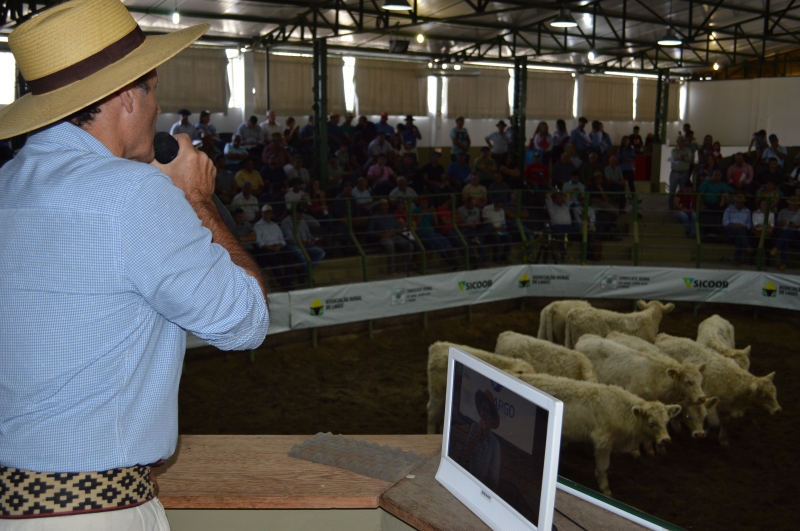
(68, 135)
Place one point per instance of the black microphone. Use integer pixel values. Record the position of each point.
(167, 148)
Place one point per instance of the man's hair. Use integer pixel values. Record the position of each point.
(253, 119)
(88, 114)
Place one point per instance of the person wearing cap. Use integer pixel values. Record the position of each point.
(460, 141)
(136, 253)
(498, 142)
(409, 135)
(482, 449)
(775, 151)
(383, 126)
(251, 133)
(789, 225)
(205, 126)
(737, 222)
(348, 129)
(270, 126)
(580, 139)
(184, 126)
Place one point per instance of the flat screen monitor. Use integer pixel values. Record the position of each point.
(500, 446)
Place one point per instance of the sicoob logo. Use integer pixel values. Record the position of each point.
(476, 285)
(705, 284)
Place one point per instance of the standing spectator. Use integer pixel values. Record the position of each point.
(395, 156)
(612, 177)
(272, 247)
(497, 235)
(775, 151)
(335, 135)
(270, 126)
(184, 126)
(510, 171)
(789, 225)
(367, 129)
(560, 140)
(410, 135)
(348, 129)
(685, 202)
(590, 168)
(235, 153)
(246, 201)
(680, 161)
(542, 142)
(707, 149)
(247, 173)
(499, 189)
(251, 133)
(275, 148)
(307, 140)
(691, 145)
(225, 182)
(737, 222)
(627, 158)
(598, 142)
(498, 142)
(205, 126)
(426, 223)
(714, 193)
(292, 137)
(383, 126)
(473, 230)
(297, 171)
(459, 137)
(459, 173)
(560, 219)
(740, 174)
(563, 170)
(387, 229)
(636, 140)
(580, 140)
(475, 190)
(758, 143)
(485, 167)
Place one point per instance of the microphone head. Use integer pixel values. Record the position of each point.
(166, 147)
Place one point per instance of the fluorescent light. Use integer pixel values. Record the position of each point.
(550, 68)
(396, 5)
(420, 38)
(3, 38)
(630, 74)
(670, 39)
(587, 18)
(292, 54)
(530, 67)
(176, 17)
(563, 19)
(456, 67)
(590, 55)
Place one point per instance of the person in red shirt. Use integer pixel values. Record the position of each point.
(538, 174)
(685, 201)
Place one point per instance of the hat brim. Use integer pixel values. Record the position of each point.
(30, 112)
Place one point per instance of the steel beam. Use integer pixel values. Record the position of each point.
(320, 109)
(518, 117)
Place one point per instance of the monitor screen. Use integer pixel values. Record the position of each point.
(499, 438)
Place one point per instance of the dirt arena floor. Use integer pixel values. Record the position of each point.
(353, 385)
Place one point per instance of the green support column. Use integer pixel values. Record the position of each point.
(520, 104)
(320, 108)
(660, 129)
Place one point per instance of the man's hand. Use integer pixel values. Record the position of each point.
(191, 171)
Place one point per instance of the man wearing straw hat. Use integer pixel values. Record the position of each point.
(107, 258)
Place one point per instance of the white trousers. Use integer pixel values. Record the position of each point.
(149, 516)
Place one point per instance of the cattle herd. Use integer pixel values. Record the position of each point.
(620, 380)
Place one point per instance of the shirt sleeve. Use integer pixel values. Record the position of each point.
(170, 260)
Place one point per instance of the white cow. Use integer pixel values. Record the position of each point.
(717, 333)
(607, 416)
(545, 357)
(736, 388)
(437, 376)
(553, 318)
(643, 324)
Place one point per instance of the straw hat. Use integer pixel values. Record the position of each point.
(79, 52)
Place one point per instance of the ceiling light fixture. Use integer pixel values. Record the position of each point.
(590, 55)
(396, 5)
(670, 39)
(456, 67)
(420, 38)
(716, 66)
(176, 17)
(563, 19)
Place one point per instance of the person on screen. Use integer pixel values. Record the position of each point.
(482, 450)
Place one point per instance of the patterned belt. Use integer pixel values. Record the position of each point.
(25, 494)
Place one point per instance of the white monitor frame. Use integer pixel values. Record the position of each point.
(479, 498)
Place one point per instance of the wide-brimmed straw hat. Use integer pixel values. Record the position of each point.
(79, 52)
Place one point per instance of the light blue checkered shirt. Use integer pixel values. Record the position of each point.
(103, 264)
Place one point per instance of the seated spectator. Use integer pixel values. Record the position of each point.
(614, 183)
(706, 169)
(445, 225)
(184, 126)
(367, 129)
(740, 174)
(538, 174)
(738, 223)
(789, 225)
(274, 195)
(247, 201)
(606, 212)
(273, 173)
(714, 193)
(272, 249)
(560, 219)
(381, 177)
(291, 136)
(363, 197)
(426, 223)
(297, 171)
(251, 133)
(499, 190)
(395, 155)
(574, 190)
(208, 145)
(344, 160)
(758, 226)
(476, 190)
(295, 195)
(472, 228)
(775, 151)
(335, 135)
(336, 175)
(317, 204)
(773, 172)
(235, 153)
(485, 166)
(771, 193)
(383, 126)
(244, 230)
(409, 169)
(348, 129)
(247, 173)
(498, 142)
(511, 173)
(270, 126)
(378, 147)
(563, 170)
(205, 126)
(497, 236)
(315, 254)
(459, 172)
(590, 168)
(758, 143)
(433, 179)
(385, 226)
(225, 183)
(685, 201)
(276, 148)
(307, 139)
(401, 192)
(410, 135)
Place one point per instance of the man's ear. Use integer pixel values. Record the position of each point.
(126, 99)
